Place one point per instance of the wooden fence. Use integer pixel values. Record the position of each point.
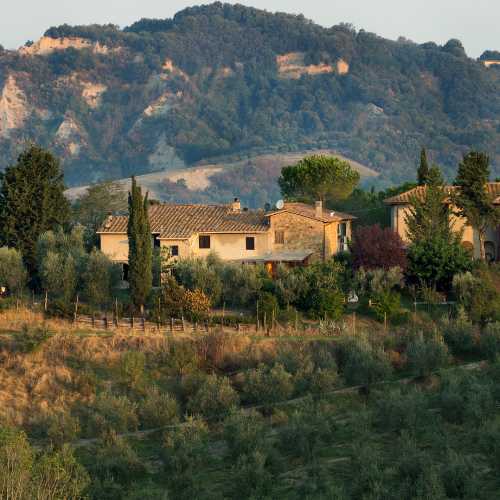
(176, 326)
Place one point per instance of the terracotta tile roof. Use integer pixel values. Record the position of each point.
(182, 221)
(493, 189)
(310, 212)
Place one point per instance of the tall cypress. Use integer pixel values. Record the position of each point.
(140, 253)
(423, 169)
(32, 201)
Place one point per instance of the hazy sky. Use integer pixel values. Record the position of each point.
(475, 22)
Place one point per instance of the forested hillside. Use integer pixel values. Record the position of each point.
(223, 80)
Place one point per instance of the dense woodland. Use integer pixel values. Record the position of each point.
(227, 98)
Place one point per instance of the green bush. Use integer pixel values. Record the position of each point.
(363, 364)
(266, 385)
(386, 304)
(426, 355)
(112, 413)
(132, 364)
(214, 399)
(251, 475)
(460, 337)
(60, 427)
(114, 461)
(184, 453)
(244, 433)
(464, 399)
(460, 476)
(398, 411)
(30, 339)
(158, 409)
(489, 341)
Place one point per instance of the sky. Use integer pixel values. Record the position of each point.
(475, 22)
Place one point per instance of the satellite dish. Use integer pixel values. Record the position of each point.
(280, 204)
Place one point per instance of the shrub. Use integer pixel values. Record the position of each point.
(489, 341)
(460, 476)
(61, 427)
(306, 431)
(184, 453)
(375, 248)
(268, 305)
(214, 399)
(398, 411)
(201, 274)
(465, 399)
(13, 273)
(427, 355)
(478, 296)
(112, 413)
(244, 433)
(362, 364)
(251, 475)
(132, 365)
(30, 339)
(459, 336)
(267, 385)
(387, 305)
(158, 409)
(115, 460)
(196, 305)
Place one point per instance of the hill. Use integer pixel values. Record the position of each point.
(254, 180)
(222, 80)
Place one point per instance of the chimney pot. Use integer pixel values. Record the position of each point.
(319, 209)
(236, 205)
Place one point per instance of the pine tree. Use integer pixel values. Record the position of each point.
(423, 169)
(32, 201)
(140, 254)
(435, 254)
(472, 198)
(429, 216)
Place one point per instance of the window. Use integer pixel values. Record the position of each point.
(279, 237)
(174, 250)
(156, 241)
(204, 241)
(250, 243)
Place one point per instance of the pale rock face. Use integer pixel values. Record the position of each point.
(169, 70)
(292, 66)
(47, 45)
(342, 67)
(14, 108)
(164, 157)
(70, 135)
(163, 104)
(92, 93)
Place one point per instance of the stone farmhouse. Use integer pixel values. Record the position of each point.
(401, 203)
(295, 234)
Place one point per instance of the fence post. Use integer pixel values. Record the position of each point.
(172, 325)
(116, 312)
(106, 325)
(132, 321)
(93, 319)
(46, 302)
(76, 309)
(183, 324)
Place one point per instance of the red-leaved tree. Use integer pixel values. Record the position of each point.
(373, 247)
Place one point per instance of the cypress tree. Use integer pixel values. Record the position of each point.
(423, 169)
(472, 198)
(32, 201)
(140, 253)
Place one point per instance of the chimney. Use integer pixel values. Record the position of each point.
(319, 209)
(236, 205)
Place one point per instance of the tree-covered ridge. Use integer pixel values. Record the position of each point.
(207, 83)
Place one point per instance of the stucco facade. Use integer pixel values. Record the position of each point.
(470, 238)
(296, 233)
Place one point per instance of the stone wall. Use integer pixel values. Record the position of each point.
(301, 233)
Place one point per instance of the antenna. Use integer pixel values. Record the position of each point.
(280, 204)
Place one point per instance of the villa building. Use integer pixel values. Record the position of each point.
(294, 234)
(400, 206)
